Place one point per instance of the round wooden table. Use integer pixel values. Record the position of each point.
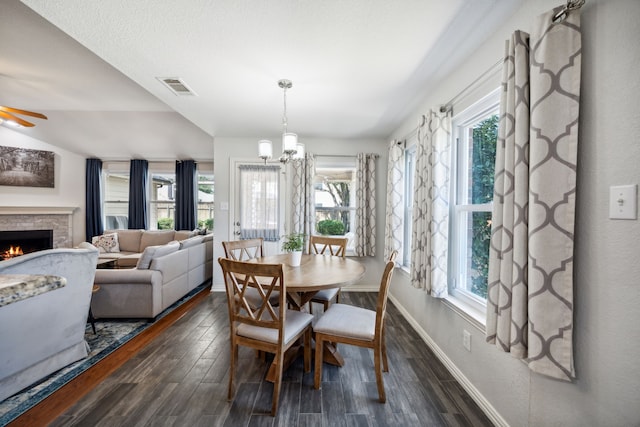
(316, 272)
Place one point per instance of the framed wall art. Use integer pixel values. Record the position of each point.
(26, 168)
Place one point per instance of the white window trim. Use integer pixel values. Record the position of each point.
(409, 181)
(469, 306)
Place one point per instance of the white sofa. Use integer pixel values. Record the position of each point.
(132, 243)
(163, 275)
(44, 333)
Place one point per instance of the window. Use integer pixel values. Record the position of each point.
(475, 133)
(162, 203)
(116, 198)
(161, 200)
(206, 191)
(409, 172)
(334, 183)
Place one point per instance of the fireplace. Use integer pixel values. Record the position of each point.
(13, 243)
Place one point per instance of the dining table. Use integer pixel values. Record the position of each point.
(315, 273)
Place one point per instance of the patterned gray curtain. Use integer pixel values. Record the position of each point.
(393, 230)
(259, 202)
(530, 292)
(365, 224)
(303, 210)
(430, 228)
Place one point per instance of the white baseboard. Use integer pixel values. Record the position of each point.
(475, 394)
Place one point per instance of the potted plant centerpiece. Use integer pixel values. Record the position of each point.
(293, 244)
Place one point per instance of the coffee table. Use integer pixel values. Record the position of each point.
(107, 263)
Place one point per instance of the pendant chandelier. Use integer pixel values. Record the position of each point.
(291, 148)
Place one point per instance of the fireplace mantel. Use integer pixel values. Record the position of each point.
(37, 210)
(56, 218)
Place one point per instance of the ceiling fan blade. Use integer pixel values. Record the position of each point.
(24, 112)
(13, 118)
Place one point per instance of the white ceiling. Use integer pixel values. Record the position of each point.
(358, 67)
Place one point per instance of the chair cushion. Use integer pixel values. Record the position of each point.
(326, 294)
(348, 321)
(294, 323)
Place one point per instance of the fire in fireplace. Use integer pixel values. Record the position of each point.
(14, 243)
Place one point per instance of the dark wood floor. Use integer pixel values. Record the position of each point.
(180, 379)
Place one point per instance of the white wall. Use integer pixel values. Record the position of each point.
(69, 186)
(607, 252)
(247, 148)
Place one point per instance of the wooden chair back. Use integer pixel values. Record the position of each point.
(383, 293)
(265, 280)
(261, 325)
(320, 245)
(242, 250)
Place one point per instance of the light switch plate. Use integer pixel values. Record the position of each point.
(224, 206)
(623, 202)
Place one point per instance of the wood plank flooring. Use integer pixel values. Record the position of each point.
(180, 379)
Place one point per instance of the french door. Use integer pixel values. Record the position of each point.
(257, 203)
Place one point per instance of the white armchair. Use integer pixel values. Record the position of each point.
(44, 333)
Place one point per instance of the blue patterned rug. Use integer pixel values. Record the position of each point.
(109, 336)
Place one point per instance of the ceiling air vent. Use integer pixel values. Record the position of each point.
(177, 86)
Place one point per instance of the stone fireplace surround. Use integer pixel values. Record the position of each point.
(58, 219)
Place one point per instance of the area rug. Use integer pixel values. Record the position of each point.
(109, 336)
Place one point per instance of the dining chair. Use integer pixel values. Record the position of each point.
(348, 324)
(335, 246)
(243, 250)
(264, 327)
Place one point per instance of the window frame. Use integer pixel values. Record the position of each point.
(410, 152)
(465, 301)
(344, 162)
(121, 169)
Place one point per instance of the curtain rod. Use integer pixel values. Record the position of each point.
(562, 13)
(558, 17)
(460, 94)
(495, 67)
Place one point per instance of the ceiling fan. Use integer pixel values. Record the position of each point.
(8, 113)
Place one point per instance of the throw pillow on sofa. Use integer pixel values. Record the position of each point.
(106, 243)
(151, 252)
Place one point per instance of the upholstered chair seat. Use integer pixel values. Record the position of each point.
(362, 322)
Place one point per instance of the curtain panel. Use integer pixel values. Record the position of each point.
(365, 223)
(186, 195)
(138, 181)
(394, 212)
(430, 228)
(93, 199)
(259, 202)
(530, 290)
(303, 209)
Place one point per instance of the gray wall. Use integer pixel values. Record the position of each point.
(607, 263)
(69, 182)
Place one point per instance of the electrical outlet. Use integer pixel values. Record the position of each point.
(466, 340)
